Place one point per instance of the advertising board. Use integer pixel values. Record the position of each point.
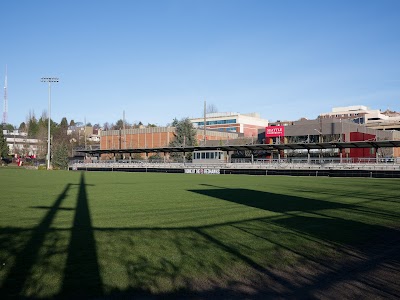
(274, 131)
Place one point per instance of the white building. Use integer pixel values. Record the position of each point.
(361, 114)
(248, 124)
(19, 143)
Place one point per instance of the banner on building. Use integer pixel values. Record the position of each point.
(274, 131)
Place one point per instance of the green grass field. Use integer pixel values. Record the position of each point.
(69, 234)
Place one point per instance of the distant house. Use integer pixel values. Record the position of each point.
(19, 144)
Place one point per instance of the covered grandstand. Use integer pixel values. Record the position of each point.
(307, 166)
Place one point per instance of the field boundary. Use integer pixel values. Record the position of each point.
(240, 170)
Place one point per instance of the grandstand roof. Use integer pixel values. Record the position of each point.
(254, 147)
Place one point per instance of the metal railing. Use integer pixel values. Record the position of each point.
(286, 163)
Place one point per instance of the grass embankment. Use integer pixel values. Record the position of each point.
(92, 234)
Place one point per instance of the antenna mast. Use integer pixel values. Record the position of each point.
(5, 110)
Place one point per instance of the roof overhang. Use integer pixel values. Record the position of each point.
(254, 147)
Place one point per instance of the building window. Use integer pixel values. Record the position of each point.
(219, 122)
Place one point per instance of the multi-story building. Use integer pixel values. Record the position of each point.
(247, 124)
(373, 118)
(19, 144)
(330, 130)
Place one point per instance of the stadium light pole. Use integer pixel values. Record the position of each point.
(49, 80)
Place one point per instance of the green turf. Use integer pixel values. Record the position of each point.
(93, 234)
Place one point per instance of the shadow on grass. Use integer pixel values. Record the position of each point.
(154, 265)
(316, 223)
(25, 260)
(82, 269)
(81, 274)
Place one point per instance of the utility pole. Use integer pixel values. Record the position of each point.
(123, 127)
(5, 111)
(49, 80)
(85, 132)
(205, 120)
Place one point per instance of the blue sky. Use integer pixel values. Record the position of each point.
(157, 60)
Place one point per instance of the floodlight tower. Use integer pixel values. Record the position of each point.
(49, 80)
(5, 109)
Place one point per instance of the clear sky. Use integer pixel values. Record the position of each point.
(157, 60)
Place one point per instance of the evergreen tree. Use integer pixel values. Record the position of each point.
(3, 144)
(8, 127)
(185, 135)
(64, 123)
(22, 127)
(60, 156)
(120, 125)
(33, 127)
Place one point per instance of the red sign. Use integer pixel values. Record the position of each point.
(274, 131)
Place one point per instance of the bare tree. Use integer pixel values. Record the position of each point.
(211, 108)
(106, 126)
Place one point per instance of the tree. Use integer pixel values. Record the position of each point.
(63, 127)
(137, 156)
(23, 127)
(155, 157)
(3, 144)
(60, 156)
(120, 125)
(185, 135)
(385, 152)
(137, 125)
(8, 127)
(41, 135)
(60, 133)
(211, 108)
(106, 126)
(64, 123)
(33, 127)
